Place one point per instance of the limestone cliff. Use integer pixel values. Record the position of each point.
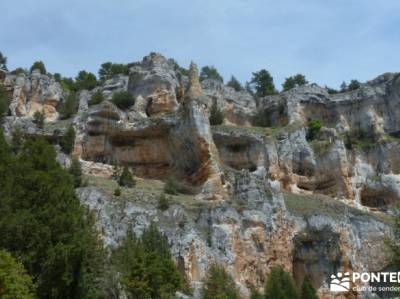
(250, 197)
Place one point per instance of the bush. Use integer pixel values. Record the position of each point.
(38, 118)
(117, 191)
(210, 72)
(314, 126)
(126, 178)
(123, 99)
(70, 106)
(359, 139)
(163, 203)
(216, 115)
(68, 140)
(39, 65)
(219, 284)
(15, 283)
(307, 289)
(261, 119)
(170, 187)
(76, 171)
(96, 98)
(280, 285)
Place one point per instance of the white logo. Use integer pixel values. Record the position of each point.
(340, 282)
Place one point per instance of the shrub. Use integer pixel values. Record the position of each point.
(216, 115)
(261, 119)
(170, 187)
(359, 139)
(15, 283)
(68, 140)
(280, 285)
(163, 202)
(39, 65)
(307, 289)
(210, 72)
(96, 98)
(38, 118)
(117, 191)
(314, 126)
(76, 171)
(70, 106)
(126, 178)
(219, 284)
(123, 99)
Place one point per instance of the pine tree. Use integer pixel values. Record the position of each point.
(210, 72)
(39, 65)
(280, 285)
(68, 140)
(4, 102)
(126, 178)
(307, 289)
(3, 62)
(263, 83)
(235, 84)
(216, 115)
(76, 171)
(294, 81)
(17, 140)
(219, 284)
(39, 118)
(70, 106)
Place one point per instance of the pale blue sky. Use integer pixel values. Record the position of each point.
(327, 40)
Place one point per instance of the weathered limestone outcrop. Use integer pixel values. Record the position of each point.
(35, 92)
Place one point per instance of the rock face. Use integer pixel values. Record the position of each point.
(250, 197)
(33, 93)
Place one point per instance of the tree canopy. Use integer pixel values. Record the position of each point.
(39, 65)
(235, 84)
(85, 81)
(3, 62)
(210, 72)
(219, 284)
(280, 285)
(263, 83)
(109, 69)
(294, 81)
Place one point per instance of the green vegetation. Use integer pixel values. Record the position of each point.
(117, 191)
(216, 115)
(180, 69)
(3, 62)
(219, 284)
(126, 178)
(354, 84)
(280, 285)
(75, 171)
(123, 99)
(263, 84)
(19, 71)
(235, 84)
(67, 141)
(171, 187)
(360, 139)
(314, 126)
(210, 72)
(256, 295)
(109, 70)
(44, 224)
(70, 106)
(321, 147)
(146, 266)
(68, 85)
(85, 81)
(261, 119)
(17, 140)
(294, 81)
(163, 202)
(4, 102)
(96, 98)
(39, 65)
(307, 289)
(38, 119)
(15, 283)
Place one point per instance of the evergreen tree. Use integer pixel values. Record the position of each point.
(210, 72)
(70, 106)
(256, 295)
(354, 84)
(39, 65)
(343, 87)
(263, 83)
(294, 81)
(109, 69)
(280, 285)
(126, 178)
(17, 140)
(235, 84)
(4, 102)
(15, 283)
(145, 263)
(216, 115)
(76, 171)
(163, 202)
(45, 225)
(314, 126)
(219, 284)
(3, 62)
(85, 81)
(38, 119)
(68, 140)
(307, 289)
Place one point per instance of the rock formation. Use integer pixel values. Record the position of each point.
(249, 197)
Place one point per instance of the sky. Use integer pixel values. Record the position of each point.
(330, 41)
